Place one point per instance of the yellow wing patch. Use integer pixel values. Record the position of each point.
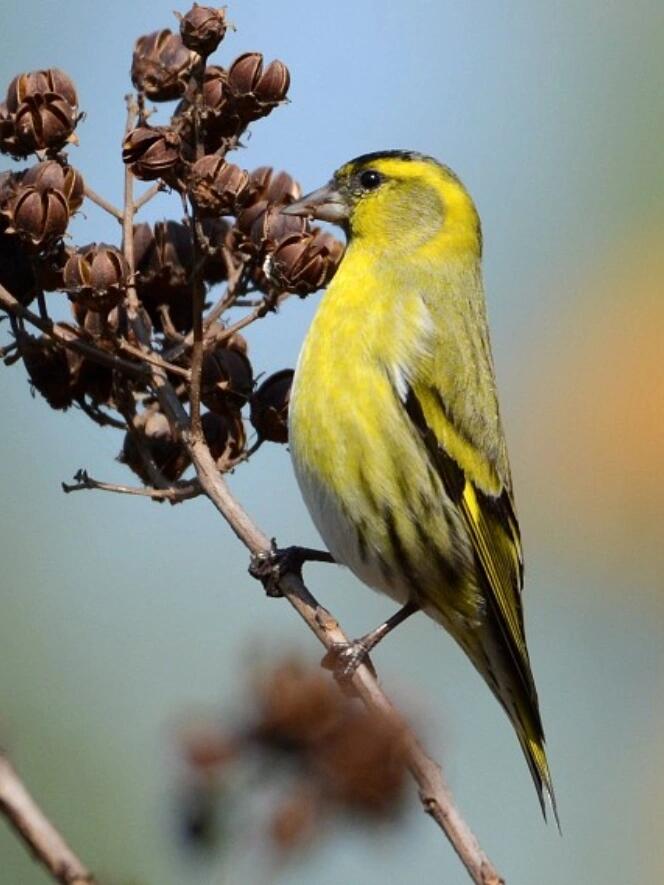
(488, 513)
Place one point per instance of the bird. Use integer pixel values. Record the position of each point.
(395, 432)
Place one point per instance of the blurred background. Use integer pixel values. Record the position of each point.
(122, 620)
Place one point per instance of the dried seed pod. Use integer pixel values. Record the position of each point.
(38, 217)
(217, 187)
(273, 187)
(9, 185)
(227, 380)
(257, 90)
(164, 254)
(17, 273)
(50, 370)
(91, 380)
(58, 176)
(96, 276)
(304, 263)
(271, 227)
(269, 407)
(8, 140)
(215, 240)
(43, 121)
(220, 117)
(164, 262)
(225, 436)
(153, 152)
(152, 430)
(52, 81)
(116, 323)
(162, 65)
(258, 222)
(49, 267)
(203, 28)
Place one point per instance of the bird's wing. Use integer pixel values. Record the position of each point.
(485, 504)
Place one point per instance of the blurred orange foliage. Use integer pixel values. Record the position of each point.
(593, 452)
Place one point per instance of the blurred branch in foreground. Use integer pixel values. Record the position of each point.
(35, 829)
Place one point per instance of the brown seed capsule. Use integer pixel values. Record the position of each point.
(217, 187)
(227, 380)
(269, 407)
(58, 176)
(9, 185)
(304, 263)
(52, 80)
(203, 28)
(50, 265)
(274, 187)
(253, 226)
(91, 380)
(257, 90)
(215, 241)
(50, 371)
(96, 276)
(219, 113)
(17, 273)
(153, 152)
(164, 262)
(224, 435)
(272, 227)
(162, 65)
(43, 121)
(37, 217)
(152, 430)
(8, 140)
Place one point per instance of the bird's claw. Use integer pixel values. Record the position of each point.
(343, 659)
(271, 565)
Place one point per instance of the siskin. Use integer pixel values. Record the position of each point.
(395, 429)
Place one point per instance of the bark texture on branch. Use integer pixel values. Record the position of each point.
(31, 824)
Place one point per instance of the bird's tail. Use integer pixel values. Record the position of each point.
(532, 744)
(512, 684)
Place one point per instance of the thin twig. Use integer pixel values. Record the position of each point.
(148, 195)
(154, 359)
(257, 313)
(103, 203)
(35, 829)
(174, 494)
(99, 416)
(197, 284)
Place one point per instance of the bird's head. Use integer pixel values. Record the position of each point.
(398, 201)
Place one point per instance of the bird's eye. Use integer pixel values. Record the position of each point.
(370, 179)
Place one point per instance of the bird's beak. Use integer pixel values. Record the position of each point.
(325, 204)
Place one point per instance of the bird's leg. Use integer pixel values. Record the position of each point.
(344, 658)
(270, 567)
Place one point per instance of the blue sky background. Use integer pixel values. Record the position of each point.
(120, 617)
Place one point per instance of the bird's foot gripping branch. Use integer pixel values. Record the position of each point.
(153, 343)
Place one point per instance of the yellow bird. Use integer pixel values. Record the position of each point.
(395, 431)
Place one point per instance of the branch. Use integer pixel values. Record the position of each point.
(66, 336)
(174, 493)
(433, 791)
(103, 203)
(35, 829)
(148, 195)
